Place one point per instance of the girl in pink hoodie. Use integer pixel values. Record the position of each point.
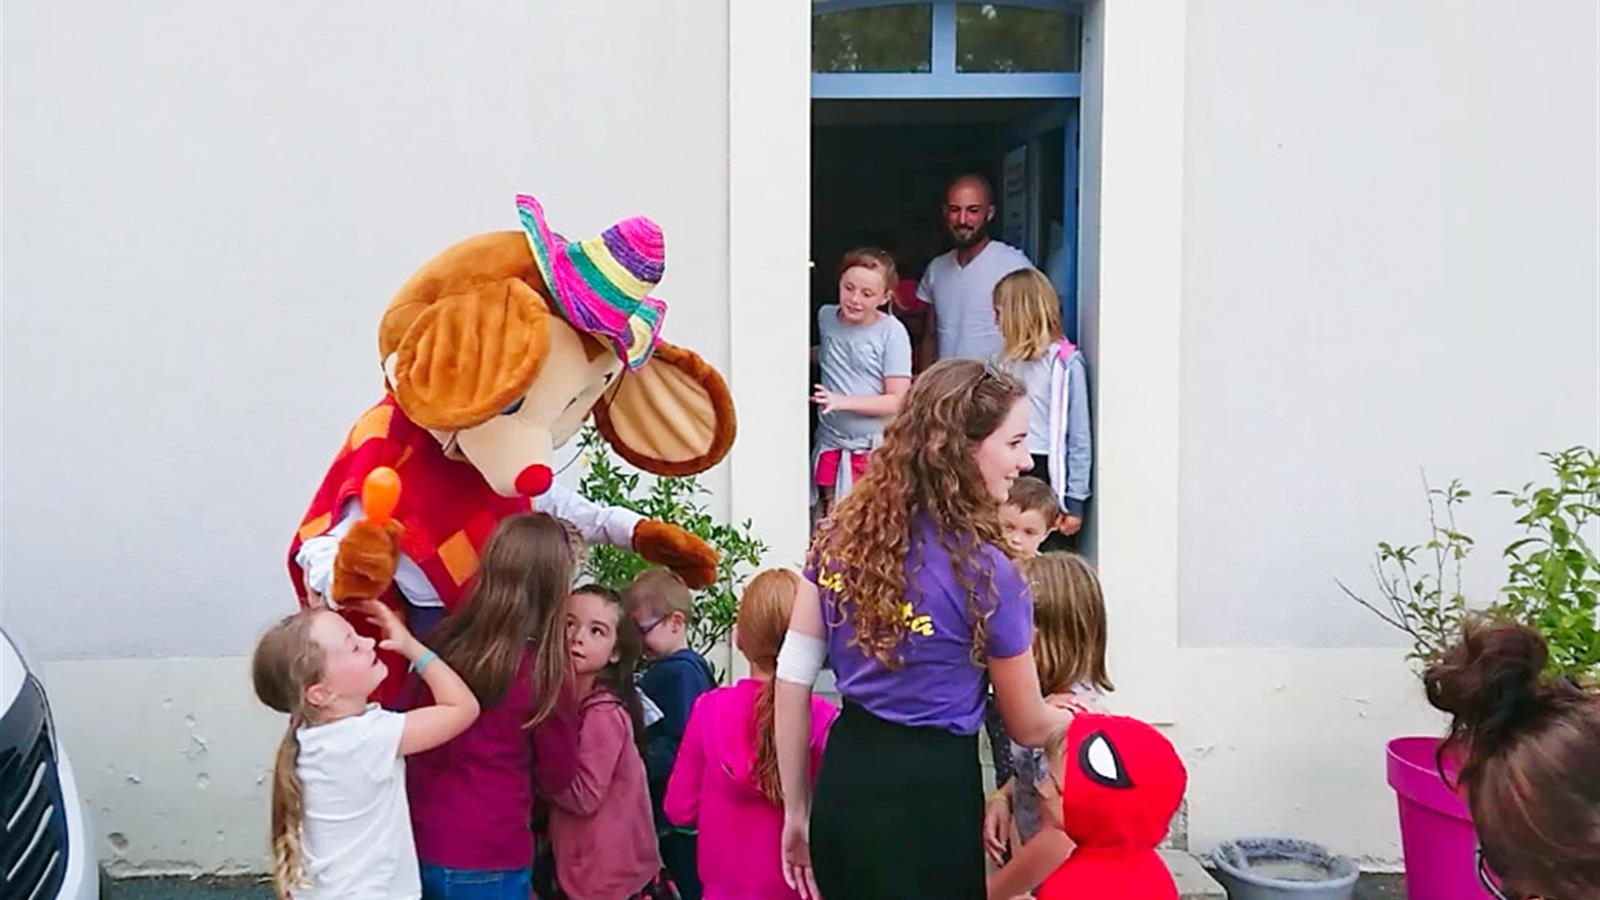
(601, 826)
(725, 782)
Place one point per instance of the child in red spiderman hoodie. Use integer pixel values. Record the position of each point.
(1121, 782)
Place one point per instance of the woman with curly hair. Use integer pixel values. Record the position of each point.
(913, 600)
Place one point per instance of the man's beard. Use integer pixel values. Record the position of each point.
(970, 238)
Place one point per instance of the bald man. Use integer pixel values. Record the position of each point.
(959, 285)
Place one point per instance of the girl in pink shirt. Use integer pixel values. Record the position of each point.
(601, 827)
(725, 782)
(472, 797)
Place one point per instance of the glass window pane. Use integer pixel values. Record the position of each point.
(992, 37)
(874, 39)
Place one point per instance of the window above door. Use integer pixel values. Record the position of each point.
(945, 49)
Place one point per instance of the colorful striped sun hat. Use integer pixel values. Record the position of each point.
(602, 285)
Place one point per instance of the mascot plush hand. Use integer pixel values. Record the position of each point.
(495, 353)
(1121, 784)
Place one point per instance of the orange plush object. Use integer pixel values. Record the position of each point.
(673, 419)
(365, 564)
(678, 550)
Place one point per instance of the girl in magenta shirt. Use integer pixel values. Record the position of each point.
(725, 782)
(472, 797)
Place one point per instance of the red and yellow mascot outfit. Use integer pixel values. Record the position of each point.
(495, 353)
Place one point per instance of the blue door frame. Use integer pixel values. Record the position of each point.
(943, 82)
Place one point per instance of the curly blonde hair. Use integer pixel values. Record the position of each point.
(925, 467)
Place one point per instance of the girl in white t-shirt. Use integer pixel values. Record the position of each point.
(340, 823)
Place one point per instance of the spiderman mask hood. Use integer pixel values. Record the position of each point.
(1121, 784)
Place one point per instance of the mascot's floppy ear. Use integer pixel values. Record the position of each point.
(673, 416)
(469, 332)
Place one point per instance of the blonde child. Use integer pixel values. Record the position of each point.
(340, 821)
(600, 826)
(726, 781)
(470, 798)
(1052, 369)
(1030, 515)
(672, 678)
(1069, 617)
(865, 357)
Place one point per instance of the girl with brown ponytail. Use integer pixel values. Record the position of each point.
(1528, 746)
(725, 782)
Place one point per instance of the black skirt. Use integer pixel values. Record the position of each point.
(898, 812)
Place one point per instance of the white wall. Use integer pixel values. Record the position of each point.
(1390, 263)
(207, 207)
(1391, 251)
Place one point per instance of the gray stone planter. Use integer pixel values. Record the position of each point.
(1283, 869)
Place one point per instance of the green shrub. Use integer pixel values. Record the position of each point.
(1553, 575)
(677, 501)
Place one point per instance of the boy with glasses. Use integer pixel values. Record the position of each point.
(674, 675)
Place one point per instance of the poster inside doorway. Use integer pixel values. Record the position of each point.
(1014, 197)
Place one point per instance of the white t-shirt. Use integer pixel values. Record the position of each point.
(963, 299)
(357, 827)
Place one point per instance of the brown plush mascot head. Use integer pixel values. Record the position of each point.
(503, 344)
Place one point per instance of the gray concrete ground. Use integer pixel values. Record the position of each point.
(1372, 887)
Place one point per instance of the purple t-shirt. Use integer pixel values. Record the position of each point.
(937, 685)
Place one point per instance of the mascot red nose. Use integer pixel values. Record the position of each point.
(1121, 783)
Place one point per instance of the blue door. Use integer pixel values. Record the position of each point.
(998, 53)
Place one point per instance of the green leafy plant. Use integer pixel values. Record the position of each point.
(675, 500)
(1553, 575)
(1421, 583)
(1554, 580)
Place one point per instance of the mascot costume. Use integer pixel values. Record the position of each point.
(1121, 785)
(494, 355)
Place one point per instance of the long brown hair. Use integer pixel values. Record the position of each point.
(759, 629)
(1028, 313)
(925, 467)
(285, 663)
(617, 677)
(1069, 622)
(517, 602)
(1529, 748)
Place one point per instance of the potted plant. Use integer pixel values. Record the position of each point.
(676, 501)
(1552, 585)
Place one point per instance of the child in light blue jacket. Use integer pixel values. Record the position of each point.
(1036, 351)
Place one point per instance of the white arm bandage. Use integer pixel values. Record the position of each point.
(801, 658)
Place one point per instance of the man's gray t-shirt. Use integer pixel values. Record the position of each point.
(963, 299)
(855, 360)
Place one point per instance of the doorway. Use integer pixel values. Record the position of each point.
(879, 169)
(907, 96)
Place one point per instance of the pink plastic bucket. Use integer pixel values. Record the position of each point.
(1435, 827)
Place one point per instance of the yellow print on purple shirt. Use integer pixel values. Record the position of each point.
(831, 580)
(916, 624)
